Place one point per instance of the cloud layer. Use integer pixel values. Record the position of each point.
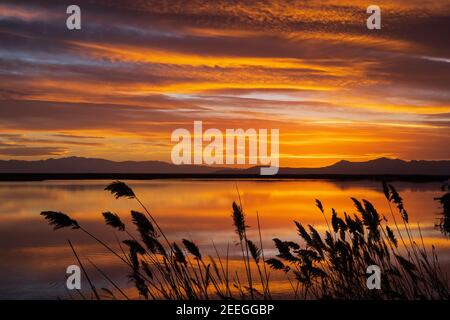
(139, 69)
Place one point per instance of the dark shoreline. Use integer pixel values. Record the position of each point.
(153, 176)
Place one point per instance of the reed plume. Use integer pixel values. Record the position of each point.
(59, 220)
(119, 189)
(113, 220)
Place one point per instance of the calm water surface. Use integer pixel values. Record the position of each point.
(33, 257)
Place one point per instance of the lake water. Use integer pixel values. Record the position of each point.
(34, 258)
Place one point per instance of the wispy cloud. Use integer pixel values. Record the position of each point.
(137, 70)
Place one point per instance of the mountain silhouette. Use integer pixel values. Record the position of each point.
(94, 165)
(381, 166)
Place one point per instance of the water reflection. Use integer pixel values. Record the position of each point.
(34, 257)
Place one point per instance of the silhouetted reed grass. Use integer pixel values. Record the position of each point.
(331, 265)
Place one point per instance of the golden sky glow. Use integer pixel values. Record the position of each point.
(140, 69)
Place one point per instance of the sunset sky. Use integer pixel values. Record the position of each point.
(137, 70)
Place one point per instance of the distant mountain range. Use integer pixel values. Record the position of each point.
(380, 166)
(93, 165)
(71, 165)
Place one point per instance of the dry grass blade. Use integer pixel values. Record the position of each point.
(84, 271)
(386, 191)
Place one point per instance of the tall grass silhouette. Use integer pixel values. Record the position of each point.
(331, 265)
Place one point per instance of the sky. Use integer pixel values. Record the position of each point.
(137, 70)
